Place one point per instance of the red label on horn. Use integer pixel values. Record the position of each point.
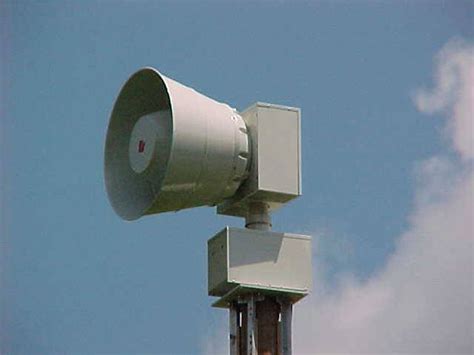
(141, 146)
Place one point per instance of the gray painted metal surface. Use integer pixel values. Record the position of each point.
(285, 327)
(251, 326)
(275, 167)
(259, 260)
(169, 147)
(234, 335)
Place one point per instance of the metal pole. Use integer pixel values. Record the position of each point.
(251, 326)
(258, 217)
(285, 330)
(234, 322)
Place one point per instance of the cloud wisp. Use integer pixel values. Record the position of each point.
(421, 301)
(453, 94)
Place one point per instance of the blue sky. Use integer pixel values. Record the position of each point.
(77, 279)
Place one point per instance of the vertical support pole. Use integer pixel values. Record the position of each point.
(243, 329)
(234, 320)
(268, 312)
(251, 326)
(286, 318)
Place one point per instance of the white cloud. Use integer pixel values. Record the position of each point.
(453, 94)
(422, 300)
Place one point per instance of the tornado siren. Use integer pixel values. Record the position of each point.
(169, 147)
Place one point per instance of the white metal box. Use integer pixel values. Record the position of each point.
(261, 260)
(275, 167)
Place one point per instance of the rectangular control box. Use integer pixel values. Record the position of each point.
(275, 170)
(260, 260)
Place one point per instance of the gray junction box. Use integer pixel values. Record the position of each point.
(245, 260)
(274, 176)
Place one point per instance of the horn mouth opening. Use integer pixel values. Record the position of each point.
(141, 119)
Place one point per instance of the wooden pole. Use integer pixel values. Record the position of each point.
(268, 312)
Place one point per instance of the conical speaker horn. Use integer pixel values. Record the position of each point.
(169, 147)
